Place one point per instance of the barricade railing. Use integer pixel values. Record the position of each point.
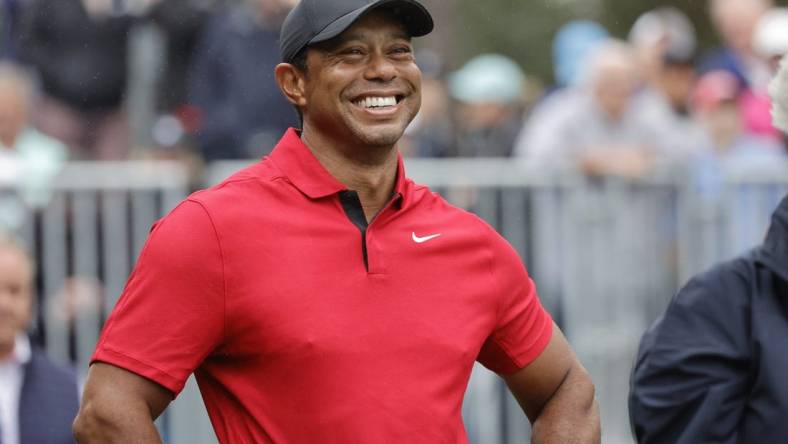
(606, 253)
(85, 237)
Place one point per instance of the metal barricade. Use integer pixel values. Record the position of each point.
(85, 241)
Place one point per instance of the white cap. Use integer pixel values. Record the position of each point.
(665, 25)
(778, 90)
(488, 78)
(771, 33)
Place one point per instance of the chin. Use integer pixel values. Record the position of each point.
(380, 138)
(385, 135)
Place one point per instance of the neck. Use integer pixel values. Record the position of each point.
(6, 350)
(370, 171)
(8, 140)
(724, 141)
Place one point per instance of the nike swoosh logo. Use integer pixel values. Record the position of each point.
(421, 240)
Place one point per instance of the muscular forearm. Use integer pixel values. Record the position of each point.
(571, 415)
(119, 406)
(95, 426)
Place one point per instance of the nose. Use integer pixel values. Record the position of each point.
(380, 68)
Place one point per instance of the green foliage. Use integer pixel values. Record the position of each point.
(521, 29)
(524, 29)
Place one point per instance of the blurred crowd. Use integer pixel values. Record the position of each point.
(616, 106)
(620, 106)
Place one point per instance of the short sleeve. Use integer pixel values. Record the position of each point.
(170, 315)
(523, 327)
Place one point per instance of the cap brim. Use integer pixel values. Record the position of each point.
(414, 16)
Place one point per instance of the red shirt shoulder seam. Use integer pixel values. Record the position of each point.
(221, 259)
(500, 295)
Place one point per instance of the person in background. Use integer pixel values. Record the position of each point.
(712, 368)
(664, 40)
(602, 131)
(770, 43)
(489, 92)
(79, 51)
(29, 160)
(432, 133)
(735, 22)
(231, 82)
(12, 14)
(778, 91)
(715, 104)
(770, 40)
(38, 399)
(573, 45)
(182, 22)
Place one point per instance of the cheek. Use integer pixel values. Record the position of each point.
(324, 91)
(23, 307)
(317, 101)
(418, 98)
(413, 74)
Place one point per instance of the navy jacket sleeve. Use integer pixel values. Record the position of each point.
(690, 379)
(48, 402)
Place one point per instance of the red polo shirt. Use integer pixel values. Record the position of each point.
(302, 324)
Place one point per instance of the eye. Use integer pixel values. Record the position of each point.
(403, 52)
(353, 51)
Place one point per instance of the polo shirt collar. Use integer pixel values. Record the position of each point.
(305, 172)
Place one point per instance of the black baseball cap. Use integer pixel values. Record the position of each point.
(314, 21)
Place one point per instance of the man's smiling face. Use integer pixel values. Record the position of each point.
(15, 296)
(363, 86)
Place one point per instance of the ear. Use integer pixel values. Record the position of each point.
(291, 81)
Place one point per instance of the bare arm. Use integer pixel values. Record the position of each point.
(119, 407)
(557, 395)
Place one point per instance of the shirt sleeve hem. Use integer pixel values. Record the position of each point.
(522, 360)
(147, 371)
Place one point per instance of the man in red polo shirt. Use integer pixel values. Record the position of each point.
(322, 296)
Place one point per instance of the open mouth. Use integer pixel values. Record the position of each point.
(378, 102)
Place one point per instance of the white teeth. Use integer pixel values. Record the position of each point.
(377, 102)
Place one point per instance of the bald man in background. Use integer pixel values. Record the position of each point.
(38, 399)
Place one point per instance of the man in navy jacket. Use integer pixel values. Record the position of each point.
(38, 399)
(713, 368)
